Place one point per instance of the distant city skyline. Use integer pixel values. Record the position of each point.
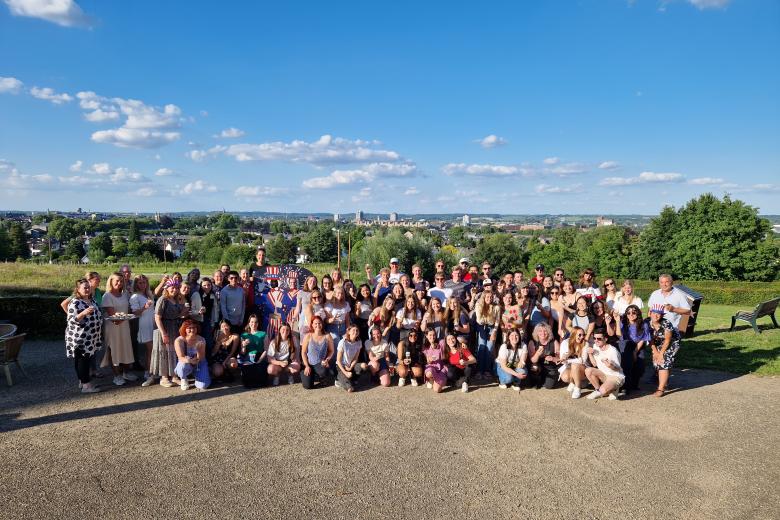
(599, 107)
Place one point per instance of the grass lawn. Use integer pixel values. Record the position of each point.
(742, 351)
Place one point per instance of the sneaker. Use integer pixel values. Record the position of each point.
(428, 384)
(129, 377)
(148, 381)
(164, 381)
(337, 384)
(576, 393)
(276, 381)
(290, 380)
(594, 395)
(570, 388)
(502, 386)
(176, 380)
(89, 389)
(401, 381)
(612, 397)
(464, 388)
(119, 380)
(414, 382)
(516, 388)
(185, 385)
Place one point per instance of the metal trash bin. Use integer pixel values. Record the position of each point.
(688, 322)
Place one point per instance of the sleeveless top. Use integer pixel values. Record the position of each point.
(317, 350)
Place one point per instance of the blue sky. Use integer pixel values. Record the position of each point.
(595, 106)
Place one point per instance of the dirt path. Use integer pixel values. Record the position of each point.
(707, 450)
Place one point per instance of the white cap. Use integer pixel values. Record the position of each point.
(464, 260)
(394, 260)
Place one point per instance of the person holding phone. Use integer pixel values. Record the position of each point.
(409, 364)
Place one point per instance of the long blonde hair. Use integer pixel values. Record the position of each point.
(111, 277)
(575, 347)
(149, 294)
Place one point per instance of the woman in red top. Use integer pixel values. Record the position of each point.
(460, 360)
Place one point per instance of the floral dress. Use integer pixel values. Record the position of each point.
(164, 357)
(657, 340)
(86, 334)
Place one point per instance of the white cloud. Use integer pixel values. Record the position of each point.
(10, 85)
(705, 181)
(198, 186)
(230, 133)
(66, 13)
(326, 150)
(48, 94)
(132, 138)
(572, 168)
(485, 170)
(609, 165)
(251, 192)
(709, 4)
(643, 178)
(164, 172)
(368, 173)
(200, 155)
(551, 161)
(363, 194)
(411, 190)
(491, 141)
(76, 166)
(145, 192)
(98, 176)
(545, 188)
(100, 168)
(144, 126)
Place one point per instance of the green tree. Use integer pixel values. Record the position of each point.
(132, 233)
(74, 250)
(379, 249)
(457, 237)
(320, 244)
(723, 240)
(653, 251)
(100, 247)
(560, 252)
(227, 221)
(279, 226)
(238, 255)
(281, 250)
(502, 251)
(63, 229)
(17, 242)
(119, 247)
(605, 249)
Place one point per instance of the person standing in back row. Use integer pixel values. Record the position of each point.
(232, 303)
(673, 300)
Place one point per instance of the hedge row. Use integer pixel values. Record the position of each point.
(35, 315)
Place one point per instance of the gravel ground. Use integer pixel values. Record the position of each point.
(706, 450)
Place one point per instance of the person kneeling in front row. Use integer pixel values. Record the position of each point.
(510, 363)
(348, 359)
(605, 374)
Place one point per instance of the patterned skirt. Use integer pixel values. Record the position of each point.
(164, 357)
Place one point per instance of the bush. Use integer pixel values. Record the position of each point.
(36, 315)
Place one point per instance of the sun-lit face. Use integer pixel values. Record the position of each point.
(452, 341)
(436, 305)
(338, 292)
(582, 304)
(431, 336)
(389, 303)
(244, 274)
(284, 332)
(627, 289)
(456, 275)
(260, 256)
(191, 330)
(117, 283)
(665, 283)
(365, 292)
(225, 328)
(507, 298)
(376, 334)
(84, 289)
(353, 334)
(417, 272)
(398, 291)
(543, 335)
(327, 284)
(317, 325)
(253, 325)
(206, 285)
(410, 304)
(311, 283)
(185, 289)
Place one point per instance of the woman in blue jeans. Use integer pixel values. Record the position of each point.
(510, 364)
(488, 318)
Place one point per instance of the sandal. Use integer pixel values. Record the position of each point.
(659, 393)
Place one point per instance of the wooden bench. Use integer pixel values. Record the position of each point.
(761, 310)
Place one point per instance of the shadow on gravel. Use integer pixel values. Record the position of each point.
(10, 422)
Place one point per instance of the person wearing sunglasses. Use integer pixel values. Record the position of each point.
(664, 344)
(634, 336)
(488, 320)
(587, 286)
(609, 292)
(572, 356)
(558, 276)
(605, 373)
(232, 303)
(557, 313)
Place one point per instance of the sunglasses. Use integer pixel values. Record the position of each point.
(598, 338)
(610, 284)
(631, 312)
(554, 292)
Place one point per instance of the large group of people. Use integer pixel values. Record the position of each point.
(465, 326)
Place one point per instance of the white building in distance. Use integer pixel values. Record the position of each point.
(393, 217)
(466, 220)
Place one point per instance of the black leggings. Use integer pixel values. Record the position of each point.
(459, 375)
(82, 361)
(318, 373)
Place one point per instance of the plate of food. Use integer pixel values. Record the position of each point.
(120, 316)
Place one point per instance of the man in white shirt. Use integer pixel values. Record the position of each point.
(605, 374)
(673, 300)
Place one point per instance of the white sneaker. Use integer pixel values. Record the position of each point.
(89, 389)
(401, 381)
(290, 380)
(276, 381)
(185, 385)
(336, 383)
(502, 386)
(612, 397)
(428, 385)
(464, 387)
(576, 393)
(119, 380)
(516, 388)
(165, 382)
(414, 382)
(570, 388)
(148, 381)
(594, 395)
(129, 377)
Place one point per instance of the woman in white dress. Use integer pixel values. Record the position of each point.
(116, 333)
(141, 303)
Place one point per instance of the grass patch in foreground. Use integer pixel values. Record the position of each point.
(742, 351)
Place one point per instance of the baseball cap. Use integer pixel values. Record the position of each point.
(487, 282)
(394, 260)
(261, 248)
(463, 260)
(540, 266)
